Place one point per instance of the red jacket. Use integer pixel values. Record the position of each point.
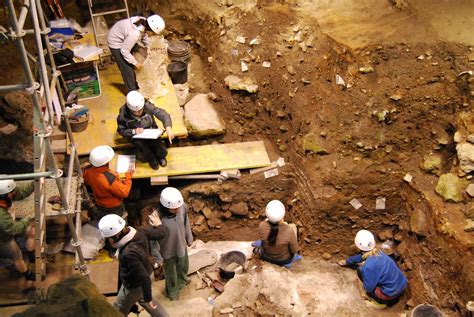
(108, 189)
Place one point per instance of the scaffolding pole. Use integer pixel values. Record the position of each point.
(44, 161)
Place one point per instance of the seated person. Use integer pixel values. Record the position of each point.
(279, 241)
(382, 279)
(107, 187)
(10, 229)
(135, 116)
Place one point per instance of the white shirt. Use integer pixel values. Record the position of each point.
(124, 35)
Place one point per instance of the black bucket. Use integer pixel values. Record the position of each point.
(426, 310)
(228, 258)
(178, 72)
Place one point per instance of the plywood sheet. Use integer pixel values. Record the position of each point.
(26, 207)
(208, 158)
(102, 127)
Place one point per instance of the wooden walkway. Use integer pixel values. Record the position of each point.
(102, 127)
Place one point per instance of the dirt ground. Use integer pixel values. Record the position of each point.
(402, 101)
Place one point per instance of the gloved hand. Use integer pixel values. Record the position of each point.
(154, 219)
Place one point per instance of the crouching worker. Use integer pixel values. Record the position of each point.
(383, 281)
(279, 243)
(107, 187)
(135, 268)
(11, 230)
(136, 116)
(174, 215)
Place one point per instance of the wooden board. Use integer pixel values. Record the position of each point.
(26, 207)
(207, 158)
(102, 127)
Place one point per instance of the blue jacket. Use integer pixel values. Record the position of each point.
(380, 271)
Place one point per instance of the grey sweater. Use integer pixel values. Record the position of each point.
(180, 235)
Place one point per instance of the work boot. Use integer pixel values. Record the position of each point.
(163, 162)
(154, 165)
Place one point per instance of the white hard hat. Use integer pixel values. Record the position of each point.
(364, 240)
(156, 23)
(101, 155)
(135, 100)
(110, 225)
(7, 186)
(171, 198)
(275, 211)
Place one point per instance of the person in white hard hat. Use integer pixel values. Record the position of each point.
(279, 239)
(11, 230)
(107, 188)
(122, 38)
(383, 281)
(137, 115)
(135, 269)
(174, 215)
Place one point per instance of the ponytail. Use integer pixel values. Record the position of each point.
(272, 236)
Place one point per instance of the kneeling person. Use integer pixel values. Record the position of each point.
(136, 116)
(383, 281)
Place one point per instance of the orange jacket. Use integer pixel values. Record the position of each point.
(108, 189)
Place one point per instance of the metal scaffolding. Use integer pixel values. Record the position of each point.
(41, 91)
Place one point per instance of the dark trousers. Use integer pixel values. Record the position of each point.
(176, 275)
(152, 150)
(126, 69)
(387, 300)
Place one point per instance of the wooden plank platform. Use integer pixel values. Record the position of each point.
(102, 127)
(26, 207)
(207, 158)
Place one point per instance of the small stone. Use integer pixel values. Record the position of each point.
(199, 219)
(226, 214)
(396, 97)
(240, 39)
(398, 236)
(470, 138)
(385, 235)
(469, 225)
(311, 144)
(213, 96)
(450, 187)
(283, 128)
(305, 81)
(207, 212)
(411, 303)
(366, 70)
(432, 164)
(282, 147)
(278, 54)
(236, 305)
(227, 310)
(327, 256)
(240, 209)
(470, 190)
(307, 240)
(291, 70)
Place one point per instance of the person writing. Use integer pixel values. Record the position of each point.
(124, 35)
(137, 115)
(107, 187)
(383, 281)
(134, 267)
(11, 229)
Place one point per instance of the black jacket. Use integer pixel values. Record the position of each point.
(126, 122)
(135, 267)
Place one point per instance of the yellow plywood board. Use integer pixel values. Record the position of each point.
(207, 158)
(102, 127)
